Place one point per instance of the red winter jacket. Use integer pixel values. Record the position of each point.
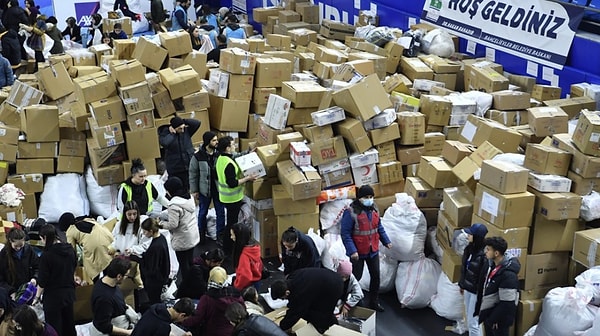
(249, 269)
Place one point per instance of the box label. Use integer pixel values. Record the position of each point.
(490, 204)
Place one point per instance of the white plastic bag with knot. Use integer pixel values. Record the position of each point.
(406, 227)
(566, 304)
(416, 282)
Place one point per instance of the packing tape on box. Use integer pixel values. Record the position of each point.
(591, 256)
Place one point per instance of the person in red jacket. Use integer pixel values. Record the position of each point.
(246, 257)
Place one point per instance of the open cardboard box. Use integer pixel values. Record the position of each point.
(302, 328)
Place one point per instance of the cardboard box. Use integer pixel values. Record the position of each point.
(300, 153)
(30, 208)
(454, 151)
(437, 110)
(336, 30)
(528, 314)
(584, 247)
(9, 115)
(386, 134)
(270, 155)
(414, 68)
(362, 159)
(436, 172)
(70, 164)
(387, 152)
(284, 140)
(29, 183)
(35, 166)
(149, 164)
(389, 172)
(583, 186)
(328, 116)
(553, 235)
(509, 118)
(237, 61)
(547, 270)
(22, 95)
(150, 54)
(412, 128)
(434, 143)
(176, 42)
(504, 177)
(56, 81)
(282, 200)
(136, 98)
(365, 175)
(451, 265)
(368, 319)
(303, 94)
(127, 72)
(40, 123)
(316, 133)
(480, 77)
(364, 99)
(106, 136)
(228, 114)
(511, 100)
(108, 111)
(547, 160)
(9, 135)
(181, 81)
(196, 101)
(547, 120)
(585, 165)
(277, 112)
(265, 231)
(108, 175)
(587, 133)
(299, 184)
(250, 164)
(558, 206)
(458, 205)
(143, 143)
(94, 87)
(330, 150)
(260, 188)
(101, 157)
(477, 130)
(549, 183)
(34, 150)
(8, 152)
(409, 154)
(144, 119)
(504, 211)
(572, 106)
(11, 214)
(272, 72)
(545, 92)
(424, 195)
(446, 231)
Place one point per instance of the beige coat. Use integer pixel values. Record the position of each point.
(95, 246)
(182, 223)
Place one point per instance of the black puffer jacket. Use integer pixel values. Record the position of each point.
(11, 48)
(258, 325)
(497, 302)
(13, 16)
(304, 254)
(178, 146)
(474, 267)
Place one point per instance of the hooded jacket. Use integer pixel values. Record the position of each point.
(210, 311)
(26, 268)
(249, 269)
(203, 177)
(11, 47)
(352, 292)
(57, 266)
(348, 225)
(156, 321)
(182, 223)
(474, 267)
(178, 146)
(258, 325)
(56, 36)
(13, 16)
(497, 301)
(233, 30)
(95, 240)
(304, 254)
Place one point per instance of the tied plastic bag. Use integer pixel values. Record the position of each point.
(319, 242)
(438, 42)
(10, 195)
(380, 36)
(590, 279)
(102, 198)
(331, 214)
(416, 282)
(63, 193)
(566, 304)
(595, 329)
(448, 302)
(387, 274)
(590, 207)
(406, 227)
(334, 251)
(460, 242)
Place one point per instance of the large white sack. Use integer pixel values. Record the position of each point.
(334, 251)
(566, 311)
(590, 207)
(406, 227)
(331, 214)
(63, 193)
(320, 243)
(448, 302)
(158, 183)
(531, 331)
(590, 278)
(438, 42)
(416, 282)
(103, 199)
(595, 329)
(387, 274)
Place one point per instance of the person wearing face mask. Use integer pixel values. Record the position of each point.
(19, 264)
(203, 183)
(361, 233)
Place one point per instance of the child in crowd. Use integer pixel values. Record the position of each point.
(118, 33)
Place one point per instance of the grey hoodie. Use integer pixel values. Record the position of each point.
(182, 223)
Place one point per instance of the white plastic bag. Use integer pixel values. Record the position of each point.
(483, 100)
(591, 279)
(438, 42)
(102, 198)
(590, 207)
(334, 251)
(416, 282)
(63, 193)
(566, 311)
(595, 329)
(406, 227)
(319, 242)
(514, 158)
(448, 302)
(331, 214)
(387, 274)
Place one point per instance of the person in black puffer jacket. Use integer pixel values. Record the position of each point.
(474, 268)
(498, 297)
(11, 49)
(250, 325)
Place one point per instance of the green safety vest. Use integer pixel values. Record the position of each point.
(226, 194)
(127, 189)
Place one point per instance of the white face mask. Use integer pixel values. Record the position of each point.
(368, 202)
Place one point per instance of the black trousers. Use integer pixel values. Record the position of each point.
(154, 290)
(233, 214)
(186, 260)
(501, 331)
(373, 267)
(58, 310)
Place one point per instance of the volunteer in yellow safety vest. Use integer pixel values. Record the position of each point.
(140, 190)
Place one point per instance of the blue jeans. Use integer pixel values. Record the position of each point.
(203, 211)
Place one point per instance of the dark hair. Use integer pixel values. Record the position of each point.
(117, 266)
(249, 294)
(96, 18)
(231, 18)
(236, 313)
(243, 238)
(497, 243)
(117, 26)
(48, 231)
(30, 324)
(137, 165)
(175, 187)
(31, 3)
(185, 306)
(71, 21)
(150, 224)
(205, 10)
(278, 289)
(194, 39)
(290, 235)
(222, 38)
(8, 251)
(130, 205)
(478, 243)
(14, 3)
(214, 255)
(224, 142)
(203, 20)
(52, 19)
(107, 35)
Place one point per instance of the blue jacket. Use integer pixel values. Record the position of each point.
(233, 30)
(6, 74)
(347, 227)
(179, 19)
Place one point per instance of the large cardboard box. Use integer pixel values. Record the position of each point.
(108, 111)
(56, 81)
(510, 118)
(409, 154)
(458, 205)
(265, 231)
(547, 120)
(136, 98)
(385, 134)
(94, 87)
(583, 186)
(22, 95)
(270, 155)
(106, 136)
(451, 265)
(547, 160)
(127, 72)
(572, 106)
(228, 115)
(101, 157)
(528, 314)
(272, 72)
(181, 81)
(545, 92)
(480, 77)
(109, 175)
(454, 151)
(367, 317)
(412, 128)
(29, 183)
(364, 99)
(150, 54)
(8, 152)
(387, 152)
(434, 143)
(389, 172)
(585, 249)
(436, 172)
(425, 196)
(282, 200)
(176, 42)
(303, 93)
(35, 166)
(585, 165)
(446, 231)
(196, 101)
(504, 177)
(478, 130)
(299, 184)
(511, 100)
(558, 206)
(504, 211)
(551, 183)
(326, 151)
(336, 30)
(40, 123)
(70, 164)
(9, 135)
(250, 165)
(144, 119)
(414, 68)
(546, 270)
(9, 115)
(35, 150)
(142, 143)
(260, 14)
(237, 61)
(278, 109)
(587, 133)
(260, 188)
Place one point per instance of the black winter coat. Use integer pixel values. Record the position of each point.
(178, 146)
(497, 301)
(258, 325)
(13, 16)
(304, 255)
(473, 269)
(26, 268)
(11, 47)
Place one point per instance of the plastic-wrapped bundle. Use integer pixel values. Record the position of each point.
(518, 159)
(63, 193)
(102, 198)
(590, 207)
(334, 251)
(566, 304)
(380, 36)
(460, 242)
(331, 214)
(448, 302)
(483, 100)
(438, 42)
(591, 279)
(416, 282)
(387, 274)
(406, 226)
(595, 329)
(411, 41)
